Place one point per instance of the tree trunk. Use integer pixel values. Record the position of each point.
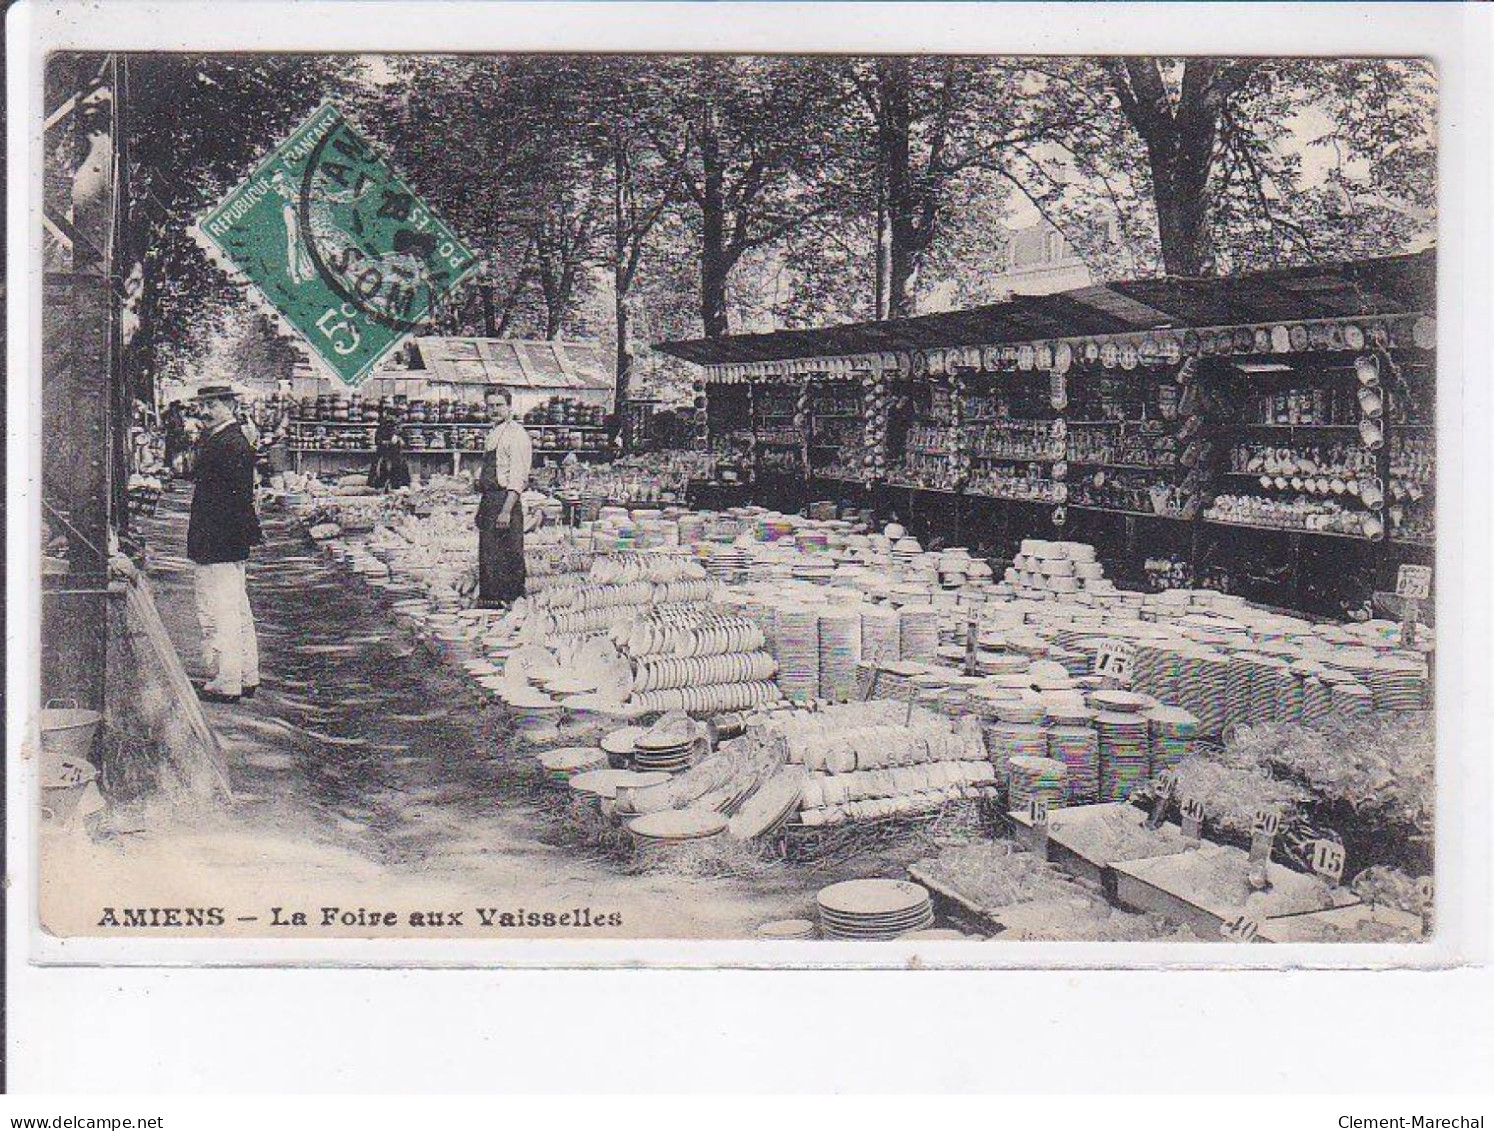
(898, 258)
(1180, 188)
(715, 258)
(621, 281)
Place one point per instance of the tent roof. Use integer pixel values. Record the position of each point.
(546, 365)
(1400, 284)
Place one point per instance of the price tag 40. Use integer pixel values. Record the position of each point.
(1193, 819)
(1241, 929)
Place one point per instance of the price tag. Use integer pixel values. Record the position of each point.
(1166, 784)
(1037, 813)
(1241, 929)
(1328, 861)
(972, 637)
(1193, 819)
(1426, 890)
(1414, 581)
(1262, 834)
(1114, 660)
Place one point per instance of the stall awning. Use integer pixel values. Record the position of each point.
(1401, 284)
(539, 365)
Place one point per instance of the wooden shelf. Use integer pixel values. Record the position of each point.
(1288, 530)
(1128, 513)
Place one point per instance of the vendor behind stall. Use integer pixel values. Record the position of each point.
(391, 470)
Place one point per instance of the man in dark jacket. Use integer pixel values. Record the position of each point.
(222, 528)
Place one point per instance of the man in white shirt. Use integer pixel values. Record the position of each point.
(507, 457)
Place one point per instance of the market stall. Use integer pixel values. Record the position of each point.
(560, 393)
(1267, 434)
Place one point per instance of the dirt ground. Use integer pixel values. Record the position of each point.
(367, 774)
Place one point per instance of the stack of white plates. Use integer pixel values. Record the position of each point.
(1031, 778)
(873, 910)
(1005, 741)
(1078, 748)
(671, 827)
(840, 649)
(565, 763)
(1351, 701)
(1398, 685)
(604, 784)
(879, 634)
(918, 633)
(1125, 753)
(1173, 732)
(669, 753)
(796, 638)
(783, 930)
(770, 805)
(1237, 689)
(1268, 684)
(619, 743)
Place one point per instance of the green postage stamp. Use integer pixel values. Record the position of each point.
(337, 243)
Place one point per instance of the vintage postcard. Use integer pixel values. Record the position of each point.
(800, 501)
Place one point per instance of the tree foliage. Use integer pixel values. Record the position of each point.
(639, 198)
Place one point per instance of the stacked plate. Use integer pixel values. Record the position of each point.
(1078, 748)
(770, 806)
(1268, 688)
(918, 633)
(879, 634)
(565, 763)
(1173, 732)
(784, 930)
(1237, 688)
(604, 784)
(840, 649)
(619, 743)
(873, 910)
(672, 827)
(1030, 778)
(665, 750)
(1125, 753)
(1351, 701)
(1397, 685)
(796, 639)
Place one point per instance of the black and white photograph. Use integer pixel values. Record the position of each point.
(952, 499)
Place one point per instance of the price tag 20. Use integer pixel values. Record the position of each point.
(1262, 833)
(1328, 861)
(1166, 784)
(1193, 819)
(1114, 660)
(1241, 929)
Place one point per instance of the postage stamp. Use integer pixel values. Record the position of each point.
(338, 244)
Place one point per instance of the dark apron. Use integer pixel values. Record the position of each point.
(500, 550)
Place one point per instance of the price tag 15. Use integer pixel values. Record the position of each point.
(1114, 660)
(1328, 861)
(1241, 929)
(1414, 581)
(1037, 813)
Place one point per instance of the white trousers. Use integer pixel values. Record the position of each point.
(230, 649)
